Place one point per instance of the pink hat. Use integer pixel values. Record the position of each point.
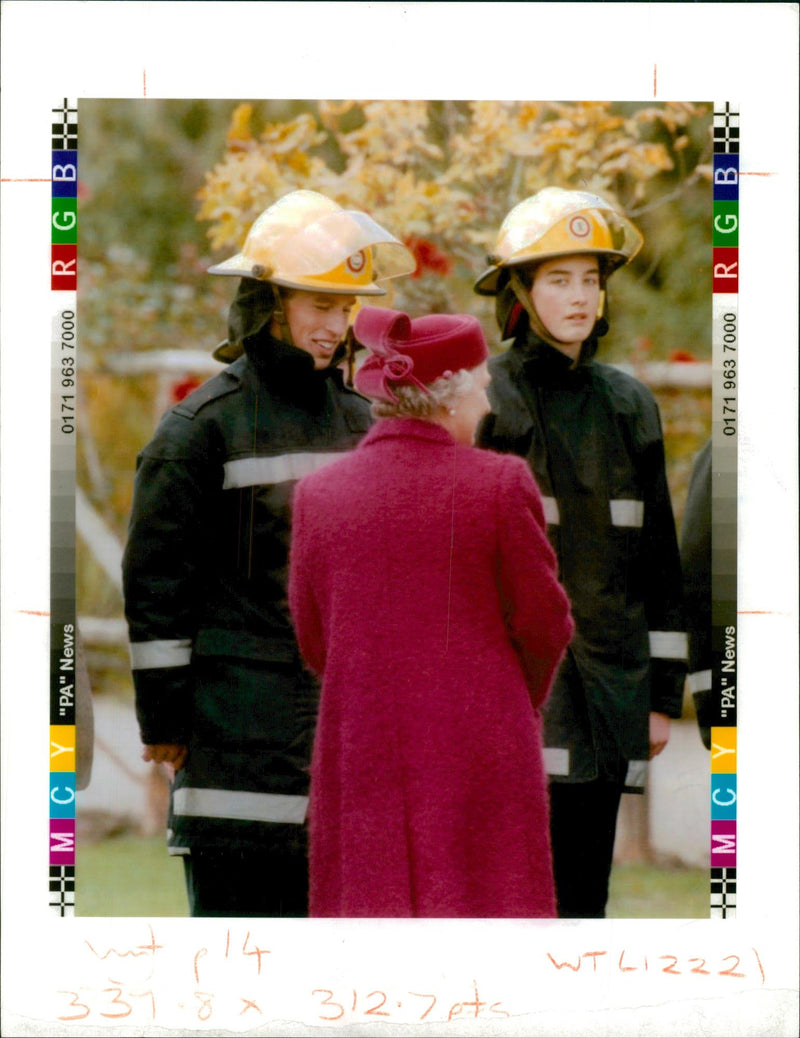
(416, 352)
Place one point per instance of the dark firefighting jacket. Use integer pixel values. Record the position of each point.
(214, 657)
(592, 437)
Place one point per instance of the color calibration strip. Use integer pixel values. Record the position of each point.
(63, 626)
(724, 445)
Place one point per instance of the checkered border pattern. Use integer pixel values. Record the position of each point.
(726, 129)
(723, 893)
(62, 889)
(65, 131)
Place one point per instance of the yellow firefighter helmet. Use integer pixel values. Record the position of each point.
(308, 242)
(555, 222)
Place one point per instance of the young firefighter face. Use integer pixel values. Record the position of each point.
(565, 294)
(317, 321)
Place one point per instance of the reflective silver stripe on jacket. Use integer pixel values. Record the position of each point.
(626, 512)
(669, 645)
(556, 760)
(636, 776)
(252, 472)
(167, 653)
(173, 848)
(700, 681)
(243, 807)
(551, 511)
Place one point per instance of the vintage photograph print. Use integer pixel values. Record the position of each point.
(399, 498)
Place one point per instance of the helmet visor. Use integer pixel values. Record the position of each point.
(327, 242)
(529, 222)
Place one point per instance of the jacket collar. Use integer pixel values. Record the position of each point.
(549, 363)
(407, 429)
(275, 360)
(289, 371)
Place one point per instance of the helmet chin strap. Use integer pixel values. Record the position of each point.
(524, 297)
(350, 357)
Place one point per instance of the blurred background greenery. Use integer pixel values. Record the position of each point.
(132, 876)
(168, 187)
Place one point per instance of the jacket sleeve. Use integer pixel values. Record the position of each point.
(661, 576)
(303, 604)
(163, 575)
(508, 428)
(536, 607)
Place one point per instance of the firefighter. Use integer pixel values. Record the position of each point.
(221, 693)
(592, 437)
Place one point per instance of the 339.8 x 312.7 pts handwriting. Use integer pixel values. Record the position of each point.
(117, 1001)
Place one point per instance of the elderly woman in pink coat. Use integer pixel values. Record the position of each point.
(424, 595)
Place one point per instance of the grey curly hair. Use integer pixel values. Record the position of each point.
(413, 402)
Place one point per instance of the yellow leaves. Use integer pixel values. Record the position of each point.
(331, 113)
(655, 156)
(556, 134)
(299, 163)
(529, 114)
(674, 117)
(251, 177)
(239, 134)
(297, 134)
(392, 132)
(587, 116)
(226, 230)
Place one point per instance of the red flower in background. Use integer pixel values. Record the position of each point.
(682, 357)
(179, 390)
(428, 256)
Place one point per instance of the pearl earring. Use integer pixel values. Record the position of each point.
(452, 411)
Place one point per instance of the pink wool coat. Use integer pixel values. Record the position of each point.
(424, 594)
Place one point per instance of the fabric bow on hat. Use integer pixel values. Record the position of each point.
(381, 331)
(418, 352)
